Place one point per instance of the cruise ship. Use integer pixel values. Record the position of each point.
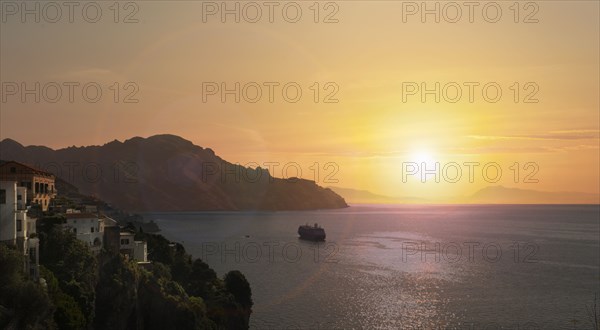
(311, 233)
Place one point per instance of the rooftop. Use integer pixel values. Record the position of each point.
(28, 169)
(81, 216)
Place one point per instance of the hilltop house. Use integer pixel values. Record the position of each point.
(87, 227)
(16, 228)
(119, 240)
(132, 249)
(103, 232)
(39, 184)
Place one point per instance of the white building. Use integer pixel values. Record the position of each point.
(87, 227)
(140, 251)
(90, 229)
(136, 250)
(16, 228)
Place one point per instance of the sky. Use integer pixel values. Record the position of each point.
(518, 87)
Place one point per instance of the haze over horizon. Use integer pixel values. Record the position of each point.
(368, 57)
(492, 194)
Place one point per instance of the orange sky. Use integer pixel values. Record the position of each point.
(369, 56)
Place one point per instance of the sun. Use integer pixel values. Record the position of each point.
(421, 165)
(420, 156)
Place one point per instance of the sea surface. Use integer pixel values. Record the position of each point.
(407, 267)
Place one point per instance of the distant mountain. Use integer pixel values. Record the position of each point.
(488, 195)
(356, 196)
(169, 173)
(503, 195)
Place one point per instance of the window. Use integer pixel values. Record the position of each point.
(19, 225)
(124, 241)
(92, 229)
(2, 196)
(13, 170)
(75, 231)
(19, 197)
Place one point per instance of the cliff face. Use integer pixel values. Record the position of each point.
(168, 173)
(106, 291)
(130, 298)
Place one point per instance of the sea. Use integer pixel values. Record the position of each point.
(407, 266)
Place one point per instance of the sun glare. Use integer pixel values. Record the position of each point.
(422, 156)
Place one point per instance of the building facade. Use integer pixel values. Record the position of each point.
(16, 228)
(100, 232)
(88, 228)
(39, 184)
(132, 249)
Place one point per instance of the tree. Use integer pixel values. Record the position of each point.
(74, 266)
(68, 314)
(24, 304)
(236, 283)
(201, 280)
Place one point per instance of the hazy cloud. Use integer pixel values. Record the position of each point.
(584, 134)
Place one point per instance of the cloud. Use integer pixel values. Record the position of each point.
(564, 135)
(520, 150)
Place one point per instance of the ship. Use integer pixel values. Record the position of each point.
(311, 233)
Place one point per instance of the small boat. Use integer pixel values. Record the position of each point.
(311, 233)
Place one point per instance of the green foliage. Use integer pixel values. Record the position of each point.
(167, 306)
(68, 315)
(66, 256)
(236, 283)
(51, 282)
(24, 304)
(201, 280)
(220, 307)
(47, 223)
(74, 266)
(116, 292)
(108, 292)
(228, 306)
(161, 271)
(10, 263)
(181, 267)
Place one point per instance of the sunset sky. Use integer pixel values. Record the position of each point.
(370, 53)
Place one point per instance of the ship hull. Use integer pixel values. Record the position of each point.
(311, 235)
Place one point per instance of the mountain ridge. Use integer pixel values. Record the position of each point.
(166, 172)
